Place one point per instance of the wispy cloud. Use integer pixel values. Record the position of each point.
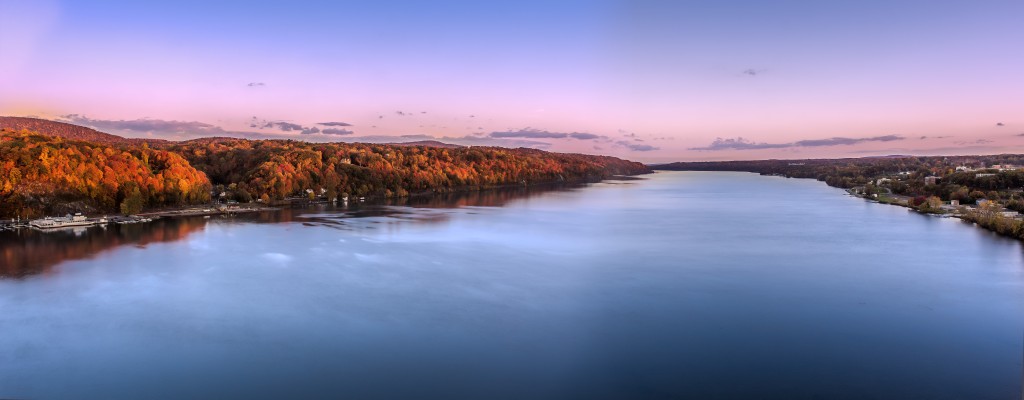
(145, 125)
(636, 147)
(284, 126)
(256, 84)
(531, 133)
(459, 140)
(158, 128)
(332, 131)
(753, 72)
(836, 141)
(584, 136)
(740, 144)
(975, 142)
(642, 147)
(743, 144)
(336, 131)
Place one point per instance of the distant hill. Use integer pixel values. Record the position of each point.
(427, 143)
(69, 131)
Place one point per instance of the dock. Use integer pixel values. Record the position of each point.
(78, 220)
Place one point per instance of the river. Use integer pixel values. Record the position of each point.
(711, 285)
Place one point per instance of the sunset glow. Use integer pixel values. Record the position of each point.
(648, 81)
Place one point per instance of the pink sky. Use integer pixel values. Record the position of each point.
(643, 82)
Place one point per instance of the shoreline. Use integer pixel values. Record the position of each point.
(990, 219)
(244, 208)
(993, 222)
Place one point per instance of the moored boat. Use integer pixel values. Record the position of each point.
(61, 222)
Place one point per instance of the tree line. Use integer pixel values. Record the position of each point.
(42, 173)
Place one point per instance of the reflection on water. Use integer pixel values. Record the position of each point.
(682, 285)
(28, 251)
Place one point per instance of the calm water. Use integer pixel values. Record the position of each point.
(682, 285)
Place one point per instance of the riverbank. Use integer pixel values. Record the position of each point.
(991, 216)
(987, 190)
(143, 217)
(298, 202)
(205, 211)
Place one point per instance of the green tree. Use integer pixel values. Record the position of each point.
(133, 203)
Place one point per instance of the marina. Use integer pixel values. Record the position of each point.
(50, 224)
(67, 221)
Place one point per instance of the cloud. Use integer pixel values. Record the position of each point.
(284, 126)
(845, 141)
(753, 72)
(584, 136)
(979, 141)
(256, 84)
(174, 130)
(531, 133)
(740, 144)
(1000, 124)
(459, 140)
(636, 147)
(184, 130)
(642, 147)
(402, 113)
(334, 123)
(743, 144)
(288, 126)
(145, 125)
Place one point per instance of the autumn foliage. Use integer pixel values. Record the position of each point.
(44, 173)
(282, 168)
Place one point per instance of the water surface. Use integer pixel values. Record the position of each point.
(682, 285)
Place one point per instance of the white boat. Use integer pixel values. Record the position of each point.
(61, 222)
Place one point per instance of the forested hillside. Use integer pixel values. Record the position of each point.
(275, 169)
(42, 175)
(42, 172)
(69, 131)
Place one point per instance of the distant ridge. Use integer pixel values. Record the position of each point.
(427, 143)
(70, 131)
(75, 132)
